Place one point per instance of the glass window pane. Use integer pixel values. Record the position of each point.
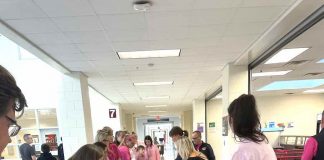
(28, 120)
(47, 118)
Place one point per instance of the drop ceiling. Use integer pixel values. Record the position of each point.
(84, 35)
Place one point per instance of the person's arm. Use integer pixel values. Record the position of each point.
(310, 149)
(211, 155)
(32, 153)
(157, 153)
(33, 157)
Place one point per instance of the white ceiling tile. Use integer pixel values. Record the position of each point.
(87, 37)
(211, 16)
(63, 8)
(234, 29)
(94, 47)
(256, 14)
(260, 3)
(26, 26)
(128, 35)
(167, 19)
(57, 49)
(48, 38)
(161, 33)
(84, 23)
(209, 4)
(206, 31)
(113, 6)
(99, 56)
(131, 46)
(19, 9)
(124, 21)
(171, 5)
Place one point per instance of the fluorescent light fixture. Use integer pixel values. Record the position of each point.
(285, 55)
(294, 84)
(156, 106)
(276, 73)
(320, 61)
(315, 91)
(156, 111)
(157, 97)
(153, 83)
(149, 54)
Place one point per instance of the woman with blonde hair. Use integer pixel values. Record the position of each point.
(105, 136)
(187, 151)
(88, 151)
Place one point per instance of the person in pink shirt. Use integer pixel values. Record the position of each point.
(124, 147)
(314, 147)
(112, 148)
(151, 150)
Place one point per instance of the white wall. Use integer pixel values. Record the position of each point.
(300, 109)
(214, 137)
(100, 112)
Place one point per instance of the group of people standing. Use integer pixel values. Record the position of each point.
(125, 146)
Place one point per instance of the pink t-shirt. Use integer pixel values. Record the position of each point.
(153, 153)
(124, 153)
(248, 150)
(113, 152)
(310, 149)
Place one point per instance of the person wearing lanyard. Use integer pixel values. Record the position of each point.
(201, 146)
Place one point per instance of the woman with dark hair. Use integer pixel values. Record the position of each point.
(151, 150)
(87, 152)
(46, 155)
(119, 136)
(244, 120)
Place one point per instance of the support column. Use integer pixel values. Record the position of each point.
(234, 83)
(198, 111)
(74, 113)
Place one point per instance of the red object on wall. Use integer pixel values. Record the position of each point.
(157, 118)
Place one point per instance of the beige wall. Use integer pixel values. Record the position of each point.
(187, 121)
(198, 111)
(214, 137)
(300, 109)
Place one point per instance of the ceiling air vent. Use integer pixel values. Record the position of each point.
(313, 74)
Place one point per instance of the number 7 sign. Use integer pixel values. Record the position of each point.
(112, 113)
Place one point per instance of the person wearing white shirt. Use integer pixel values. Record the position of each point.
(251, 143)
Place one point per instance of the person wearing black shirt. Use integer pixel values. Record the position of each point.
(27, 152)
(46, 155)
(201, 146)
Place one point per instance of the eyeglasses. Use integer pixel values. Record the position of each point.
(14, 128)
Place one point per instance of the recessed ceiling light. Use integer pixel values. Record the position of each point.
(156, 106)
(149, 54)
(156, 111)
(285, 55)
(153, 83)
(157, 97)
(315, 91)
(294, 84)
(276, 73)
(320, 61)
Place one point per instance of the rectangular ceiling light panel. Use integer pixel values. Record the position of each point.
(285, 55)
(153, 83)
(315, 91)
(156, 106)
(157, 97)
(320, 61)
(149, 54)
(294, 84)
(276, 73)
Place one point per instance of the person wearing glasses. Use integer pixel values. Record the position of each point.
(201, 146)
(11, 100)
(27, 152)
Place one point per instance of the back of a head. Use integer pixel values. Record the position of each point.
(87, 152)
(176, 130)
(102, 135)
(244, 119)
(45, 148)
(101, 145)
(109, 130)
(10, 91)
(184, 147)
